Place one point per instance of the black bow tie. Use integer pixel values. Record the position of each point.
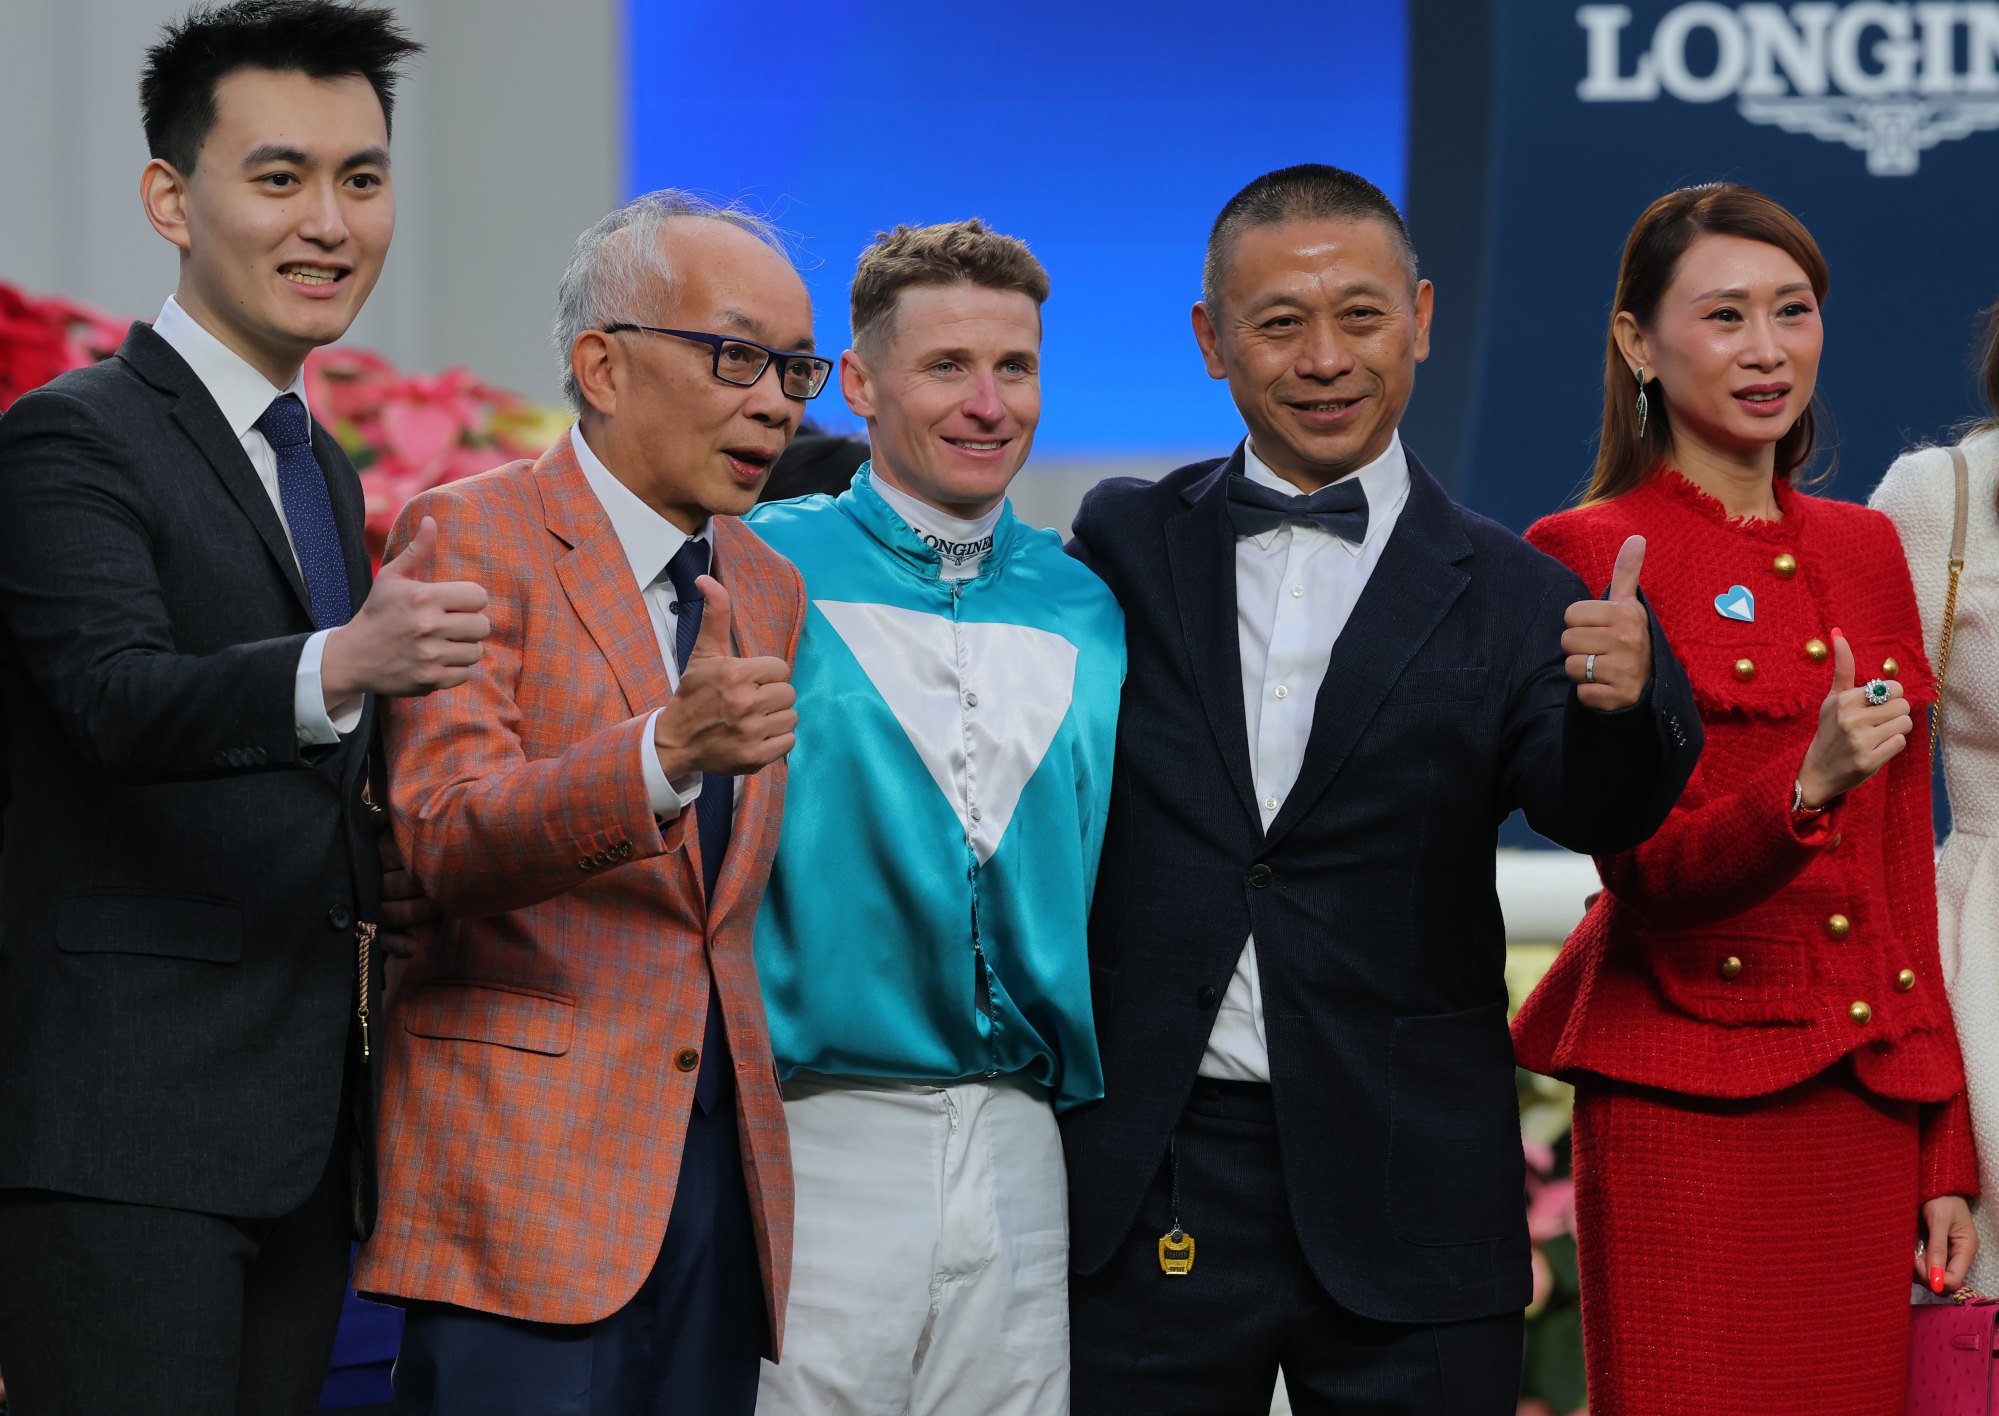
(1340, 508)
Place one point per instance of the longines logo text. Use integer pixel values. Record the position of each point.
(1889, 79)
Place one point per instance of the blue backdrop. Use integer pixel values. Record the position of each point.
(1105, 135)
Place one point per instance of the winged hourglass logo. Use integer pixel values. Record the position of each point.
(1891, 80)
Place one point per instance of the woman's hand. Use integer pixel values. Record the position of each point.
(1855, 739)
(1949, 1241)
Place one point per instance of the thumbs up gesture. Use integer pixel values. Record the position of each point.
(410, 636)
(729, 715)
(1855, 738)
(1609, 641)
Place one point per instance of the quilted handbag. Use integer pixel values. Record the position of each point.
(1952, 1347)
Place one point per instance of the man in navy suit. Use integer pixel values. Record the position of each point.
(1308, 1155)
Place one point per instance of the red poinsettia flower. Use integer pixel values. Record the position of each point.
(34, 344)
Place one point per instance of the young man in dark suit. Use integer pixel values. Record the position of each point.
(1308, 1155)
(190, 652)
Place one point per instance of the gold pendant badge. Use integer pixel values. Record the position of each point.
(1176, 1253)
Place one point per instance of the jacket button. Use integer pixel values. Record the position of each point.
(1785, 564)
(687, 1059)
(1905, 980)
(1860, 1013)
(1745, 669)
(338, 916)
(1731, 966)
(1204, 996)
(1890, 667)
(585, 864)
(624, 850)
(1816, 650)
(1259, 875)
(1838, 926)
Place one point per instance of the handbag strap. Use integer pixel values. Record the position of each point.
(1962, 473)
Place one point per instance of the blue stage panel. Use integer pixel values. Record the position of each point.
(1106, 136)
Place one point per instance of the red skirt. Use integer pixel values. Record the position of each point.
(1748, 1257)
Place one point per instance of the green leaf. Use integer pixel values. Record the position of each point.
(1554, 1369)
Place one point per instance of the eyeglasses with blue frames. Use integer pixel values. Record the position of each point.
(742, 361)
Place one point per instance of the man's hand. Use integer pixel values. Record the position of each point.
(1609, 641)
(409, 637)
(1855, 739)
(729, 715)
(405, 908)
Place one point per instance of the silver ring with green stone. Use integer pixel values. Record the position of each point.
(1877, 693)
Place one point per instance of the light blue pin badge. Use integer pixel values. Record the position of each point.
(1736, 603)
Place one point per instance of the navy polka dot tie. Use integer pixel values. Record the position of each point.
(308, 511)
(712, 809)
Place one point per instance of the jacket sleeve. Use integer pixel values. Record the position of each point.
(1727, 844)
(1590, 780)
(486, 829)
(1946, 1159)
(1727, 848)
(82, 602)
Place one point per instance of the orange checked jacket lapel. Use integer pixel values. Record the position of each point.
(597, 578)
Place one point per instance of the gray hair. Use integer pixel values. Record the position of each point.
(618, 268)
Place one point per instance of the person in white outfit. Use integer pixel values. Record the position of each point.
(1920, 493)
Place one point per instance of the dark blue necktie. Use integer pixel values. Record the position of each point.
(1340, 507)
(712, 809)
(308, 511)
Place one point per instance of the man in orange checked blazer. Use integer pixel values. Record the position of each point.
(586, 1188)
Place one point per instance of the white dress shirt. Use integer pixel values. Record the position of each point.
(1295, 589)
(243, 394)
(649, 541)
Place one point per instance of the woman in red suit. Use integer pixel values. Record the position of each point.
(1770, 1111)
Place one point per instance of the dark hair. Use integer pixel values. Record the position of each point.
(1651, 256)
(816, 461)
(318, 38)
(1310, 191)
(1988, 366)
(956, 252)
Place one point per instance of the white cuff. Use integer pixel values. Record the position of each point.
(320, 724)
(668, 799)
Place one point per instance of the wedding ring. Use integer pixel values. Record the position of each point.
(1877, 693)
(1589, 668)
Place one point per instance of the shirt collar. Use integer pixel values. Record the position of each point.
(649, 540)
(921, 516)
(1384, 481)
(238, 389)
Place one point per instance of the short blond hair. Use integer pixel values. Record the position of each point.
(955, 252)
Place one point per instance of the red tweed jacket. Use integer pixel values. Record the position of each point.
(1734, 955)
(533, 1110)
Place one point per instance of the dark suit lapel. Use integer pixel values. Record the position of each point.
(1414, 584)
(154, 360)
(1200, 551)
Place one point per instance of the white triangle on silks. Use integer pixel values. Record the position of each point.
(1738, 608)
(923, 665)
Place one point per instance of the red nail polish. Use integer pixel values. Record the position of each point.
(1936, 1280)
(1836, 634)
